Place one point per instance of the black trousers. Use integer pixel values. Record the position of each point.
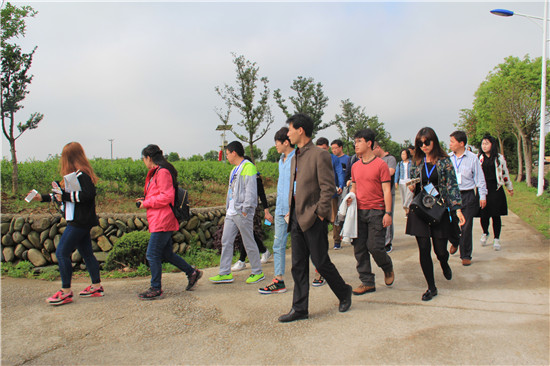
(470, 207)
(425, 250)
(312, 243)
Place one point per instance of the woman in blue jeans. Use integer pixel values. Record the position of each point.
(159, 195)
(78, 206)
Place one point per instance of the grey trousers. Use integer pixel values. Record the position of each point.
(232, 226)
(370, 241)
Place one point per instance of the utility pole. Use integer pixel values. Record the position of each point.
(111, 147)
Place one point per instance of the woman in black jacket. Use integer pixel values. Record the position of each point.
(78, 206)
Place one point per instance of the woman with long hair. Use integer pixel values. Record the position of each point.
(402, 177)
(437, 175)
(159, 193)
(78, 206)
(496, 176)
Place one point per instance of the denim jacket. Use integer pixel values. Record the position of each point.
(448, 185)
(400, 171)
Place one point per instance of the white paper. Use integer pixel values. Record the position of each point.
(71, 185)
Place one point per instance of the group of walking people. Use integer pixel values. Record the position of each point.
(356, 194)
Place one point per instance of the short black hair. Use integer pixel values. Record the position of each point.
(322, 141)
(367, 134)
(302, 120)
(282, 136)
(235, 146)
(460, 136)
(337, 142)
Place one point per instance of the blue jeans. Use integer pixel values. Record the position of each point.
(279, 244)
(159, 249)
(75, 237)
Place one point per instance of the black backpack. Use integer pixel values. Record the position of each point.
(180, 208)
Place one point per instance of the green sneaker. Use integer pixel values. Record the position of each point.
(222, 278)
(253, 278)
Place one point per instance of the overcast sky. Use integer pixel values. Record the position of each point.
(146, 72)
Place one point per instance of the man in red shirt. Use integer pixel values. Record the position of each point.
(371, 183)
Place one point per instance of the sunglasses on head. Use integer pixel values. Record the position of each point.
(426, 142)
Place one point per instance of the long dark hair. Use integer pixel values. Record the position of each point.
(155, 153)
(494, 148)
(437, 152)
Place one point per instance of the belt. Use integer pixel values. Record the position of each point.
(467, 191)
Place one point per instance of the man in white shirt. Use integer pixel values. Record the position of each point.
(469, 175)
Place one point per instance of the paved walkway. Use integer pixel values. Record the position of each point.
(494, 312)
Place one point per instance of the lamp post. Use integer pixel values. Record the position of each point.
(509, 13)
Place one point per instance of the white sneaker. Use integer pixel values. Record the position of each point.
(496, 244)
(265, 256)
(238, 266)
(483, 240)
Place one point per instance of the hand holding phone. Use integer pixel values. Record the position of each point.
(31, 195)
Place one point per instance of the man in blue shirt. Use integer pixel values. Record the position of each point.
(337, 148)
(284, 147)
(469, 175)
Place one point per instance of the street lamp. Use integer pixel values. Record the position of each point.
(509, 13)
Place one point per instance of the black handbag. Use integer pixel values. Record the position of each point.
(429, 208)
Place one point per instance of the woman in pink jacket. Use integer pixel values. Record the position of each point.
(159, 195)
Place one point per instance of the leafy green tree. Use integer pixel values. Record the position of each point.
(352, 119)
(258, 154)
(212, 155)
(310, 99)
(242, 97)
(507, 104)
(173, 156)
(15, 79)
(272, 155)
(196, 157)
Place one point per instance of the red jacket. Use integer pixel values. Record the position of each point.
(159, 195)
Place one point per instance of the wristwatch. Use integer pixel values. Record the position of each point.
(388, 212)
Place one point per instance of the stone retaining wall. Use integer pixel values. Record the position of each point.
(35, 237)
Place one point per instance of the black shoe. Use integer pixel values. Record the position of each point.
(428, 295)
(389, 248)
(193, 279)
(292, 316)
(448, 273)
(151, 294)
(346, 302)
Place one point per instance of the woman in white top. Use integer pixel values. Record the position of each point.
(402, 176)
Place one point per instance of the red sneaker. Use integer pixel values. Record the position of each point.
(60, 298)
(89, 292)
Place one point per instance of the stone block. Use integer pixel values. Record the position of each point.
(34, 238)
(36, 258)
(41, 224)
(8, 254)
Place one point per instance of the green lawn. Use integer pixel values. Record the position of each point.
(532, 209)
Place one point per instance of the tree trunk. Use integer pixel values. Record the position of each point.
(519, 177)
(501, 145)
(15, 173)
(527, 147)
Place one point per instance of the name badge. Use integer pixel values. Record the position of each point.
(295, 188)
(430, 189)
(230, 194)
(459, 178)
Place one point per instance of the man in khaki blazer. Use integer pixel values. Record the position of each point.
(311, 190)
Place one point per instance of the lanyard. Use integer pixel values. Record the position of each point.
(235, 172)
(431, 171)
(456, 163)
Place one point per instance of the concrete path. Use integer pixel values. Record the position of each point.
(494, 312)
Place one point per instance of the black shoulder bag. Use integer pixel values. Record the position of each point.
(429, 208)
